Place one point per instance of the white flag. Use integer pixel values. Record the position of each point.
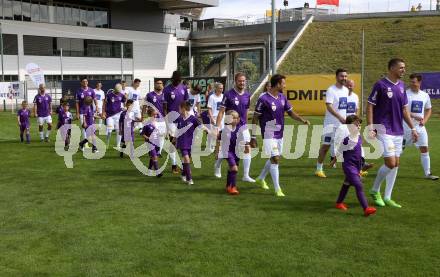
(36, 73)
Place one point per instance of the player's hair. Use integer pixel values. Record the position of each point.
(97, 83)
(129, 102)
(65, 104)
(123, 82)
(118, 87)
(150, 111)
(24, 102)
(352, 119)
(232, 113)
(217, 85)
(159, 80)
(238, 75)
(185, 105)
(197, 88)
(137, 80)
(82, 78)
(64, 99)
(276, 79)
(394, 61)
(88, 100)
(416, 75)
(229, 114)
(340, 70)
(177, 76)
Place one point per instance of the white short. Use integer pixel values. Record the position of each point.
(392, 145)
(246, 135)
(422, 140)
(46, 119)
(273, 147)
(162, 127)
(112, 122)
(172, 129)
(328, 134)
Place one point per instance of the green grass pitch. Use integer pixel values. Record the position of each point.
(104, 218)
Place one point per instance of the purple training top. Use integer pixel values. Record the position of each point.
(114, 103)
(81, 95)
(126, 124)
(173, 96)
(65, 118)
(232, 100)
(229, 139)
(43, 104)
(157, 101)
(24, 115)
(152, 133)
(388, 100)
(185, 133)
(271, 112)
(352, 158)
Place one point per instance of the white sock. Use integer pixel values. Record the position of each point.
(319, 166)
(390, 180)
(246, 164)
(426, 163)
(332, 150)
(381, 174)
(42, 135)
(218, 163)
(265, 170)
(161, 144)
(118, 140)
(47, 133)
(109, 134)
(84, 133)
(173, 158)
(275, 176)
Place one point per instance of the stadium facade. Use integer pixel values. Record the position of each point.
(100, 39)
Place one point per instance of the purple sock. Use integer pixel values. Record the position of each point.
(342, 193)
(150, 165)
(155, 165)
(21, 137)
(361, 196)
(187, 170)
(228, 179)
(233, 177)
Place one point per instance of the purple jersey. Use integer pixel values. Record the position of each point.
(271, 112)
(352, 158)
(43, 104)
(126, 125)
(229, 139)
(157, 101)
(114, 103)
(24, 115)
(81, 95)
(152, 133)
(232, 100)
(186, 128)
(389, 100)
(173, 96)
(65, 118)
(89, 116)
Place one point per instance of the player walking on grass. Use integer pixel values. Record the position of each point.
(226, 148)
(127, 120)
(154, 99)
(419, 105)
(134, 93)
(99, 97)
(65, 118)
(89, 125)
(112, 109)
(336, 100)
(24, 124)
(351, 149)
(174, 94)
(214, 103)
(269, 112)
(81, 107)
(151, 134)
(238, 99)
(387, 109)
(43, 109)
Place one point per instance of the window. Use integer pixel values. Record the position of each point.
(75, 17)
(44, 13)
(68, 16)
(91, 18)
(10, 44)
(38, 46)
(83, 17)
(7, 9)
(16, 5)
(59, 14)
(26, 10)
(35, 12)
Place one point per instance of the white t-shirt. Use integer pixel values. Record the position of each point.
(214, 103)
(418, 102)
(99, 96)
(352, 104)
(338, 97)
(194, 100)
(135, 95)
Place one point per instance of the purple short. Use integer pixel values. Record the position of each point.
(155, 152)
(23, 127)
(232, 159)
(205, 118)
(185, 152)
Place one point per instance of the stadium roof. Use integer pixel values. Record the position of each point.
(185, 4)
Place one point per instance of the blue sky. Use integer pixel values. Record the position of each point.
(251, 9)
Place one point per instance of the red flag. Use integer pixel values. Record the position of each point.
(328, 2)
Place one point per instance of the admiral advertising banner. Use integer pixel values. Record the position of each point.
(306, 93)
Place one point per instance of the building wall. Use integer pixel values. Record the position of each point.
(154, 54)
